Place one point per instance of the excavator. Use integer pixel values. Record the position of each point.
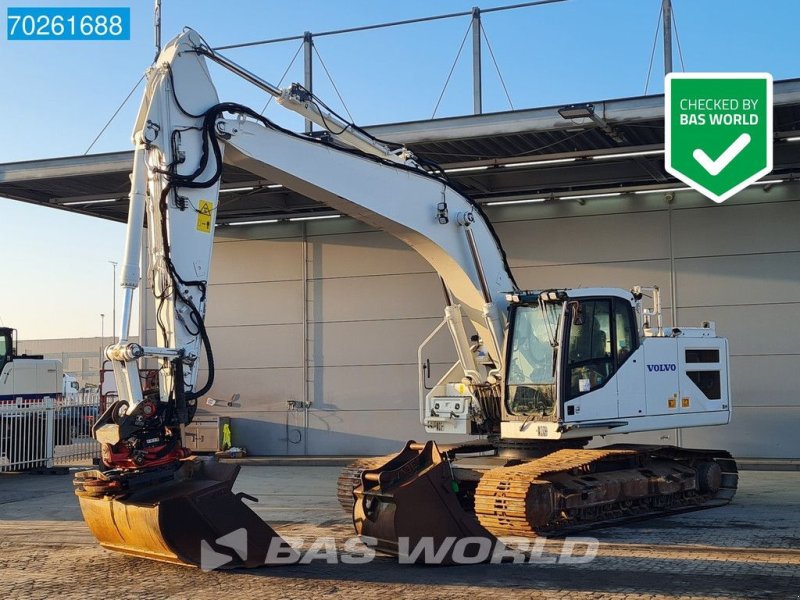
(539, 373)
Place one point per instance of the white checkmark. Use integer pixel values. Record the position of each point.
(715, 167)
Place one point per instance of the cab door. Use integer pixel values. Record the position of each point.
(629, 355)
(588, 382)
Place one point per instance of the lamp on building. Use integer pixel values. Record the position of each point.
(586, 111)
(577, 111)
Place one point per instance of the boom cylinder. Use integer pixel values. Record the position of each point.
(129, 276)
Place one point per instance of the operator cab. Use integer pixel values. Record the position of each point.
(564, 345)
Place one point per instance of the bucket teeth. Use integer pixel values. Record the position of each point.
(192, 518)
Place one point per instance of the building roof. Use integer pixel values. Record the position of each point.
(491, 157)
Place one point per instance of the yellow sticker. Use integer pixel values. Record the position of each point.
(684, 402)
(204, 211)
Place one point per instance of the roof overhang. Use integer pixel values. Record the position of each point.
(491, 157)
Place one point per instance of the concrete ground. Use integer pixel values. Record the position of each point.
(750, 549)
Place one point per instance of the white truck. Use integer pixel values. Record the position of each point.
(27, 379)
(33, 390)
(26, 382)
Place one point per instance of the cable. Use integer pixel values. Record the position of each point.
(390, 24)
(653, 51)
(116, 112)
(300, 91)
(333, 83)
(496, 66)
(291, 62)
(678, 40)
(175, 95)
(175, 180)
(450, 74)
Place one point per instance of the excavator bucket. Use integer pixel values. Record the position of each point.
(411, 507)
(193, 518)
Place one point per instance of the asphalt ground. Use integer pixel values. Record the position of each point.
(749, 549)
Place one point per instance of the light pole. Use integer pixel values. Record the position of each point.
(114, 311)
(102, 336)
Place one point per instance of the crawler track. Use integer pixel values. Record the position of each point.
(571, 490)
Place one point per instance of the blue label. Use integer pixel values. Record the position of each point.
(82, 23)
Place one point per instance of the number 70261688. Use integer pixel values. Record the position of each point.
(53, 23)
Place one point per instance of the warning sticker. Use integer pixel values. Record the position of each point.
(204, 211)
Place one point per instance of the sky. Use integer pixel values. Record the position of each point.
(55, 275)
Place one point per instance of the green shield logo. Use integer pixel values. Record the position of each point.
(718, 130)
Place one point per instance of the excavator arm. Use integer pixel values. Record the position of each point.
(181, 134)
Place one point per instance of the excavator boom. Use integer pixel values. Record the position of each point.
(152, 499)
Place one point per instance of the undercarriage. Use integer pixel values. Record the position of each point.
(473, 490)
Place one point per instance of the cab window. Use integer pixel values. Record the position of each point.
(625, 327)
(590, 362)
(531, 378)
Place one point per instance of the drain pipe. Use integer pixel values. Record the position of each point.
(306, 399)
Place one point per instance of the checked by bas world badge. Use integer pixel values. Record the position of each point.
(718, 130)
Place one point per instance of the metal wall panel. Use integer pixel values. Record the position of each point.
(408, 296)
(614, 274)
(256, 346)
(764, 381)
(376, 342)
(742, 280)
(260, 389)
(373, 387)
(768, 329)
(736, 229)
(369, 253)
(266, 303)
(257, 260)
(580, 240)
(753, 432)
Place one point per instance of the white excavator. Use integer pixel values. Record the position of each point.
(539, 373)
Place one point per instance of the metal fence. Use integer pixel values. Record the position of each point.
(55, 431)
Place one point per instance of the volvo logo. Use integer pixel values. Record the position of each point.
(662, 367)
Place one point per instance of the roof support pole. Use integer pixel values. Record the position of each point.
(667, 12)
(157, 27)
(476, 61)
(308, 74)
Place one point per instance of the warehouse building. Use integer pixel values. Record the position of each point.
(315, 323)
